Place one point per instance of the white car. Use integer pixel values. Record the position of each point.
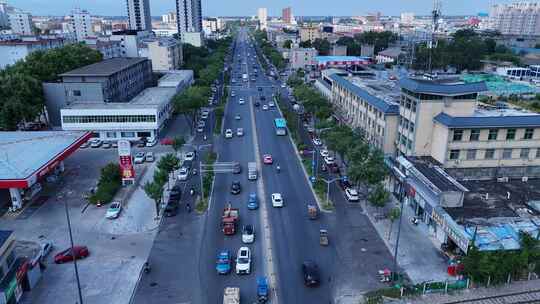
(190, 156)
(352, 195)
(329, 160)
(228, 133)
(317, 142)
(233, 94)
(325, 153)
(241, 101)
(204, 115)
(240, 132)
(200, 129)
(271, 104)
(283, 85)
(95, 143)
(248, 234)
(265, 107)
(243, 261)
(149, 157)
(277, 200)
(183, 174)
(201, 123)
(114, 210)
(139, 158)
(151, 143)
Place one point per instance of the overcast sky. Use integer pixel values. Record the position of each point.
(249, 7)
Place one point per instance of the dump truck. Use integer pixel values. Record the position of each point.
(252, 170)
(231, 295)
(228, 220)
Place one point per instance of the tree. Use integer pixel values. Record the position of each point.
(155, 192)
(287, 44)
(305, 44)
(378, 196)
(168, 163)
(353, 47)
(394, 214)
(190, 101)
(177, 143)
(322, 46)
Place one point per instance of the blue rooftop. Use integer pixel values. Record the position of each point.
(325, 59)
(430, 87)
(380, 104)
(506, 121)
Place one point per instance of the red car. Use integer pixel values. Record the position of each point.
(267, 159)
(81, 252)
(166, 141)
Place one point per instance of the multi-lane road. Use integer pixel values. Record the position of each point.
(185, 250)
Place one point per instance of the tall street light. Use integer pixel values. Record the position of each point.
(73, 253)
(402, 177)
(328, 182)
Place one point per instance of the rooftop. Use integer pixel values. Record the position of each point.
(501, 118)
(150, 98)
(105, 68)
(442, 87)
(391, 52)
(435, 175)
(175, 77)
(326, 59)
(380, 94)
(24, 153)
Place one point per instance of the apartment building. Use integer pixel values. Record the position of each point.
(12, 51)
(81, 24)
(139, 16)
(165, 54)
(301, 58)
(361, 104)
(520, 18)
(189, 19)
(262, 15)
(21, 23)
(130, 41)
(286, 15)
(309, 33)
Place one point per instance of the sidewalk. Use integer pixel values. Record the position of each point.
(417, 255)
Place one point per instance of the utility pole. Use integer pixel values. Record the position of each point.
(435, 15)
(73, 253)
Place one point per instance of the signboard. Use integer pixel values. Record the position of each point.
(126, 165)
(452, 230)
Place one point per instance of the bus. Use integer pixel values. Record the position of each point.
(281, 126)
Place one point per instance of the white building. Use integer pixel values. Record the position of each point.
(139, 15)
(81, 24)
(407, 18)
(4, 11)
(189, 19)
(193, 38)
(300, 58)
(521, 18)
(21, 23)
(170, 17)
(130, 41)
(12, 51)
(144, 116)
(262, 14)
(210, 25)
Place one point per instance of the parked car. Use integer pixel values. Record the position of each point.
(317, 142)
(85, 145)
(228, 133)
(171, 209)
(149, 157)
(236, 188)
(310, 270)
(329, 160)
(114, 210)
(265, 107)
(257, 104)
(324, 153)
(167, 141)
(344, 184)
(190, 156)
(252, 201)
(243, 261)
(248, 234)
(95, 143)
(200, 129)
(79, 252)
(277, 200)
(352, 195)
(223, 263)
(139, 157)
(106, 145)
(271, 104)
(183, 174)
(151, 143)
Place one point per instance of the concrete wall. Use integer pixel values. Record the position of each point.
(55, 99)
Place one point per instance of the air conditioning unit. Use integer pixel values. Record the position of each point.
(502, 179)
(525, 179)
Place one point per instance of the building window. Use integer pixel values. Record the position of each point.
(528, 134)
(414, 106)
(458, 134)
(127, 134)
(454, 154)
(76, 92)
(510, 134)
(411, 126)
(538, 153)
(507, 154)
(111, 134)
(471, 154)
(524, 153)
(490, 154)
(475, 135)
(493, 134)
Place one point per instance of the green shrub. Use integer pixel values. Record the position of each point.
(109, 183)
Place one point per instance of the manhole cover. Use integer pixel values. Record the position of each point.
(153, 284)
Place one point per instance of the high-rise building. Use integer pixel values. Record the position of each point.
(407, 18)
(521, 18)
(170, 17)
(21, 23)
(286, 15)
(5, 9)
(262, 13)
(189, 16)
(139, 15)
(81, 24)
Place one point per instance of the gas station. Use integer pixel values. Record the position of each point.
(28, 159)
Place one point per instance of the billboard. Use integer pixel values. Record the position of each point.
(126, 164)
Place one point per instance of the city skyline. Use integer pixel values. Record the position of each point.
(239, 8)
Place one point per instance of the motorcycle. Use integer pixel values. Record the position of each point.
(188, 207)
(192, 191)
(278, 168)
(146, 267)
(414, 220)
(194, 171)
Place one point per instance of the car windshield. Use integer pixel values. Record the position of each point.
(248, 230)
(242, 260)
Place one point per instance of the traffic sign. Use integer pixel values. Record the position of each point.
(312, 179)
(344, 178)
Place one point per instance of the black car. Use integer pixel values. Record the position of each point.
(175, 194)
(263, 98)
(171, 209)
(235, 187)
(311, 273)
(344, 184)
(257, 103)
(259, 88)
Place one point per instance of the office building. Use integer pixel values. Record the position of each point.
(165, 53)
(139, 15)
(286, 15)
(188, 17)
(21, 23)
(262, 14)
(130, 41)
(170, 17)
(301, 58)
(81, 24)
(5, 9)
(14, 50)
(309, 33)
(520, 18)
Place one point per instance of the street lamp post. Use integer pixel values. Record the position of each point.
(328, 182)
(402, 178)
(73, 253)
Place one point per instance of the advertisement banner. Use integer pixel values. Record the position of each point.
(126, 164)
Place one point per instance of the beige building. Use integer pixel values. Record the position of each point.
(300, 58)
(166, 54)
(360, 107)
(309, 33)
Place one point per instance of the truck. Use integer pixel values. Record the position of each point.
(252, 170)
(231, 295)
(229, 218)
(245, 77)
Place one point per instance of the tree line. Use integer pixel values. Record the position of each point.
(268, 49)
(21, 92)
(379, 40)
